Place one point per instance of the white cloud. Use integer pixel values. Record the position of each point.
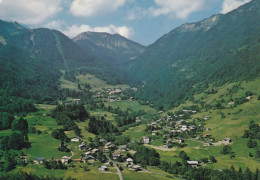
(74, 30)
(55, 25)
(176, 8)
(89, 8)
(30, 12)
(229, 5)
(136, 13)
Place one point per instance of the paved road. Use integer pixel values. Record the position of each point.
(119, 172)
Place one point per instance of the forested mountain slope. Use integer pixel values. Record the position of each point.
(113, 48)
(222, 48)
(31, 61)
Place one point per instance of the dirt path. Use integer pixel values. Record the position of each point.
(161, 148)
(72, 154)
(219, 143)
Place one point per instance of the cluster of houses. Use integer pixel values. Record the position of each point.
(209, 141)
(176, 125)
(130, 164)
(111, 94)
(89, 155)
(73, 101)
(39, 160)
(66, 160)
(167, 137)
(169, 127)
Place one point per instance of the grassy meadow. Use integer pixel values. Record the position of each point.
(132, 105)
(96, 83)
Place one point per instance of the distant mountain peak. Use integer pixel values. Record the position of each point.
(89, 34)
(112, 47)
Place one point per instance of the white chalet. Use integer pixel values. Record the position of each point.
(194, 164)
(146, 140)
(75, 139)
(129, 161)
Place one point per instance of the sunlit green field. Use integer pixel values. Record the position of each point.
(133, 105)
(93, 173)
(6, 132)
(131, 174)
(96, 83)
(43, 144)
(136, 133)
(65, 84)
(77, 172)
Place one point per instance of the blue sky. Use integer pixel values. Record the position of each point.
(143, 21)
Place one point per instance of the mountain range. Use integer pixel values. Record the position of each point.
(216, 50)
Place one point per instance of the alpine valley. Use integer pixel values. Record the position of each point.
(100, 106)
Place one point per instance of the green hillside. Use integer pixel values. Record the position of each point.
(220, 49)
(31, 63)
(227, 121)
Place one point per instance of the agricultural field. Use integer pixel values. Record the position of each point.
(42, 143)
(77, 172)
(97, 84)
(65, 84)
(109, 116)
(130, 174)
(6, 132)
(136, 133)
(132, 105)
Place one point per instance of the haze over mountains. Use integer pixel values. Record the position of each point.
(222, 48)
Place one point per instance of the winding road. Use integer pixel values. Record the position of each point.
(119, 172)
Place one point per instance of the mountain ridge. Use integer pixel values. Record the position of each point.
(199, 52)
(113, 48)
(31, 61)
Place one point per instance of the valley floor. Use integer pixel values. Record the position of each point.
(229, 121)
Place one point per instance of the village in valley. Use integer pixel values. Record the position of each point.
(129, 90)
(169, 133)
